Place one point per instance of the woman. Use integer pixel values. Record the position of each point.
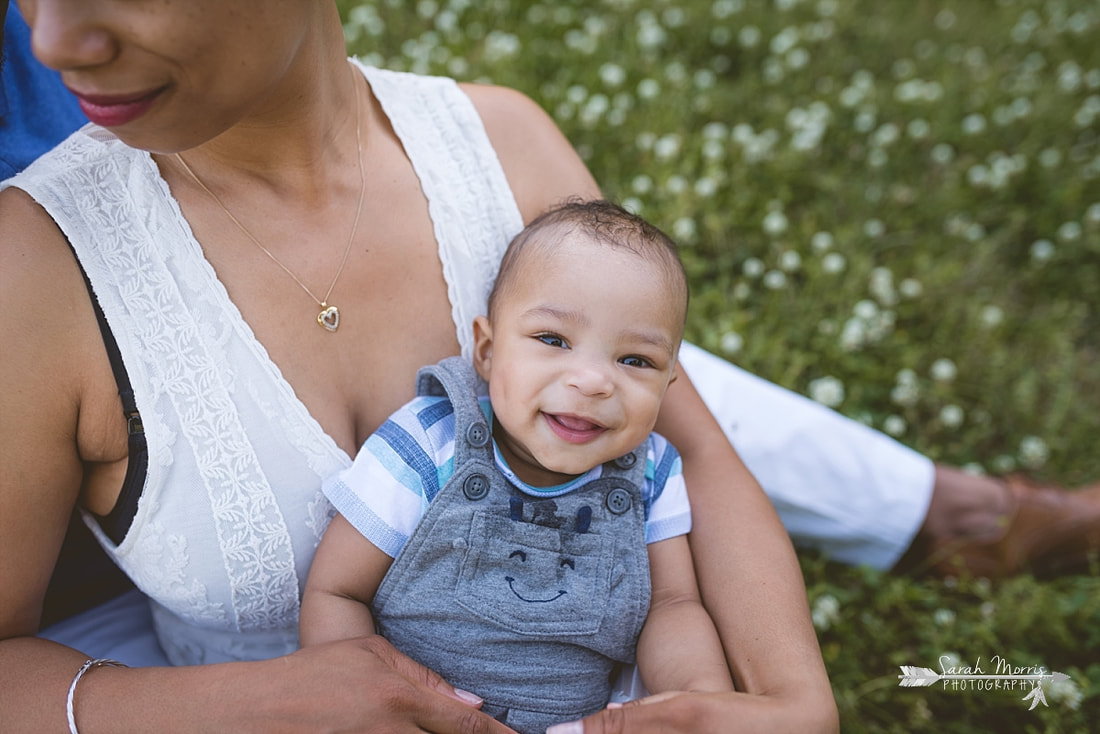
(272, 275)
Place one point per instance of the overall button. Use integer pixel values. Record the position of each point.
(476, 487)
(626, 461)
(477, 434)
(618, 500)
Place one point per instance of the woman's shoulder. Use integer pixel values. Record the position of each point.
(541, 165)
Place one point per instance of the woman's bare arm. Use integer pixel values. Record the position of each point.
(59, 415)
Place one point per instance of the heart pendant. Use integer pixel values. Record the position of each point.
(329, 318)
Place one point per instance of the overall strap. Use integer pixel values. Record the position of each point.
(455, 379)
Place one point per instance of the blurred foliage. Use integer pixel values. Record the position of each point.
(892, 206)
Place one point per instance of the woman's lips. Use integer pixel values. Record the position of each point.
(573, 429)
(114, 110)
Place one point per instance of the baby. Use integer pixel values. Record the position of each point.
(523, 534)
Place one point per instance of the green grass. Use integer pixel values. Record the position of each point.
(890, 205)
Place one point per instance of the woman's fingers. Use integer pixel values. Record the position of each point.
(454, 711)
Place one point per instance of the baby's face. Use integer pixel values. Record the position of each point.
(578, 357)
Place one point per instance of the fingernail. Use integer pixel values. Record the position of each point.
(573, 727)
(614, 705)
(470, 698)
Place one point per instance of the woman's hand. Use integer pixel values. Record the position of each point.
(707, 713)
(365, 684)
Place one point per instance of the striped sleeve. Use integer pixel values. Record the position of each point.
(668, 513)
(397, 472)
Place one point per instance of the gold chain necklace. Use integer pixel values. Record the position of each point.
(329, 318)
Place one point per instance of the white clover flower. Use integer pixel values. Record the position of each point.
(943, 617)
(854, 335)
(798, 58)
(775, 279)
(1069, 232)
(731, 342)
(676, 184)
(725, 8)
(641, 184)
(646, 140)
(987, 609)
(633, 205)
(977, 175)
(1003, 464)
(828, 391)
(1050, 157)
(790, 261)
(742, 291)
(904, 395)
(715, 131)
(667, 146)
(1042, 250)
(973, 468)
(910, 288)
(877, 158)
(749, 36)
(1033, 452)
(918, 129)
(874, 228)
(826, 611)
(973, 124)
(865, 120)
(612, 74)
(684, 229)
(894, 425)
(775, 222)
(942, 153)
(1065, 691)
(706, 187)
(713, 150)
(1069, 76)
(951, 416)
(651, 35)
(882, 286)
(1092, 214)
(822, 241)
(992, 316)
(833, 263)
(753, 267)
(704, 79)
(865, 310)
(944, 370)
(649, 88)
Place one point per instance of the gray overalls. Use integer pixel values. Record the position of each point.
(527, 602)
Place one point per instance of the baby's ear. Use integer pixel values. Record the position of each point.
(483, 347)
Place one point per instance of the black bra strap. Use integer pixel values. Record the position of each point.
(117, 522)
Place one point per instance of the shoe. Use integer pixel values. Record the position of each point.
(1048, 531)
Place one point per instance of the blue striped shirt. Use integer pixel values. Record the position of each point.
(405, 463)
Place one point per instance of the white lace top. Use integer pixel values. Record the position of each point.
(232, 512)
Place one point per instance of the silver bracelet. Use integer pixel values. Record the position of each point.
(88, 665)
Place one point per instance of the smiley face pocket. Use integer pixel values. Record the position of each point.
(535, 580)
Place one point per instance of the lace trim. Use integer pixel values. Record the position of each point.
(446, 142)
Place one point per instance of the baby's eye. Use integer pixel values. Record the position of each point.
(635, 361)
(552, 340)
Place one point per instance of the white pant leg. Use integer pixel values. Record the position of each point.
(120, 629)
(838, 486)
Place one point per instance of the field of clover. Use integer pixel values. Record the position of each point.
(891, 206)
